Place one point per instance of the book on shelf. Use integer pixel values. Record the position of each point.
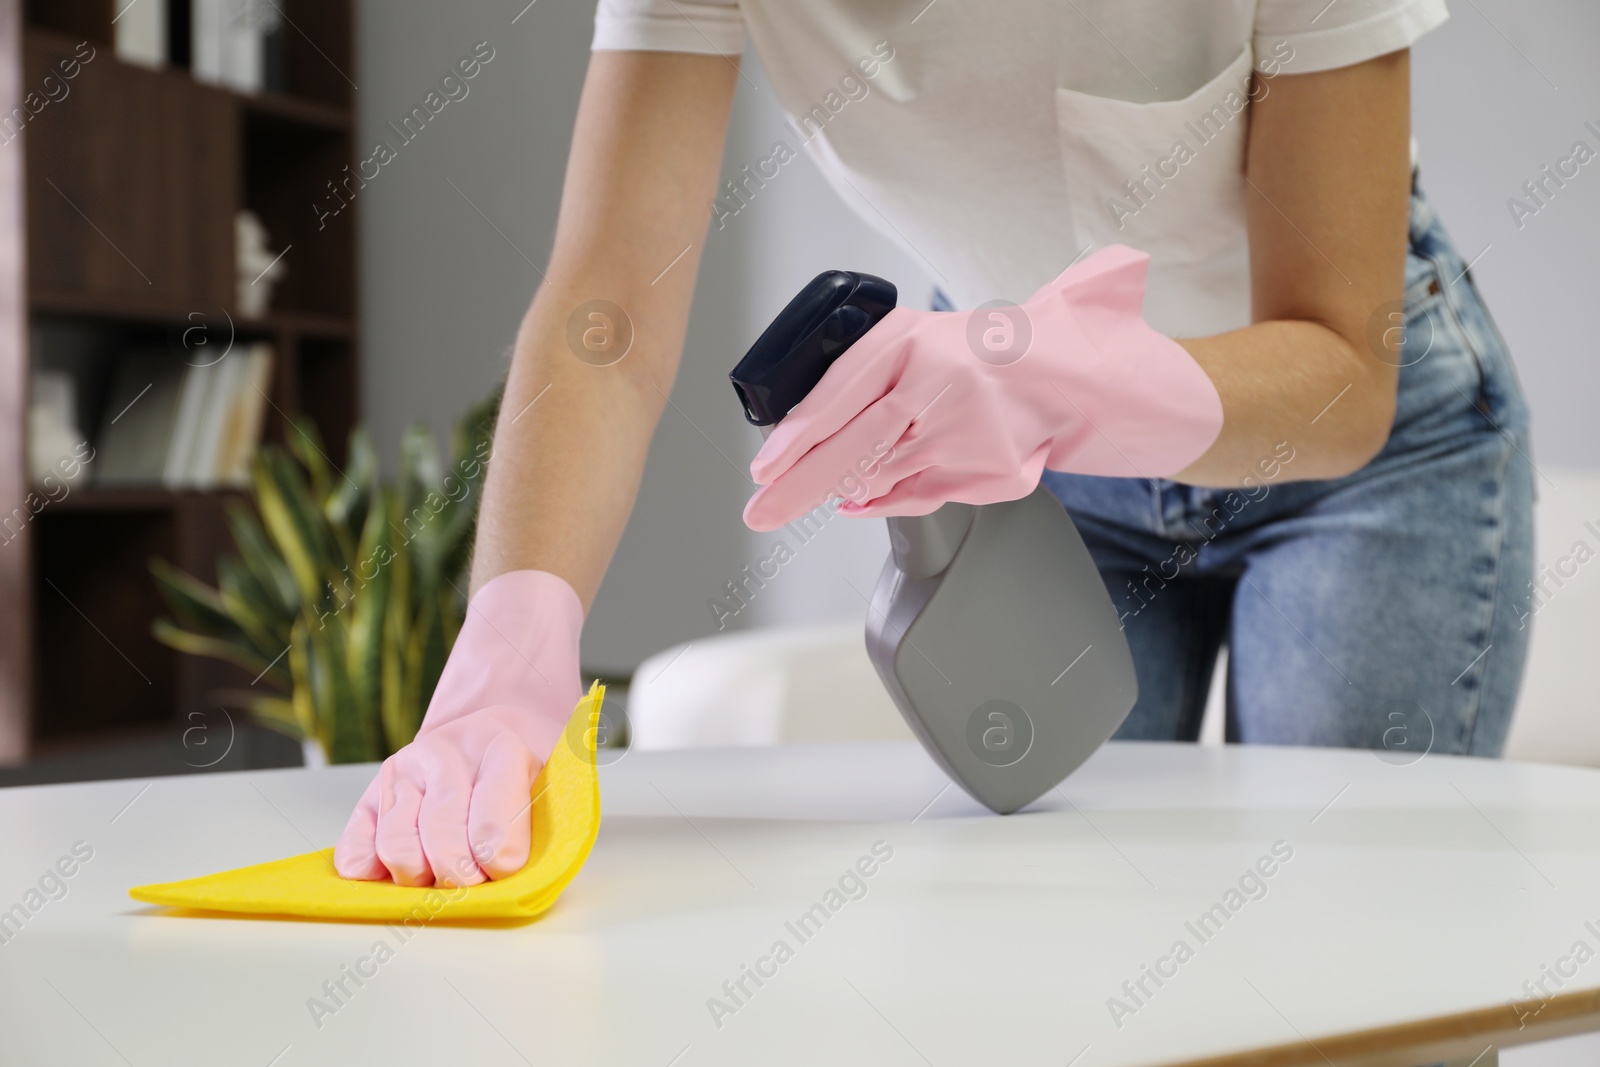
(246, 413)
(192, 397)
(239, 43)
(182, 425)
(136, 432)
(140, 32)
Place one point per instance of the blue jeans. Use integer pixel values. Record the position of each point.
(1382, 609)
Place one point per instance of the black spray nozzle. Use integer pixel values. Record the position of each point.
(792, 354)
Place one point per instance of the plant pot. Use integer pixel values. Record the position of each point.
(313, 754)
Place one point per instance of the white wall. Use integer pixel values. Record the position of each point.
(1487, 120)
(442, 291)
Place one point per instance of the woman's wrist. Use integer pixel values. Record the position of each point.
(518, 646)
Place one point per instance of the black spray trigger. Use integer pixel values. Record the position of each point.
(795, 351)
(842, 329)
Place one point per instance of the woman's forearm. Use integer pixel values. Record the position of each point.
(1293, 384)
(569, 450)
(1328, 174)
(599, 346)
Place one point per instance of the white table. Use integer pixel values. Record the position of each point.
(1417, 900)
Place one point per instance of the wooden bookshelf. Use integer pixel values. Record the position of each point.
(117, 207)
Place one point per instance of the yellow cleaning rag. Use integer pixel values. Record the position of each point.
(565, 816)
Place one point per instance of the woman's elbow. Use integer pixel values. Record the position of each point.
(1365, 430)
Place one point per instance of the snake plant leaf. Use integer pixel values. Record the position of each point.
(197, 606)
(302, 696)
(364, 636)
(308, 505)
(353, 494)
(283, 500)
(298, 528)
(422, 500)
(471, 445)
(173, 636)
(420, 473)
(263, 561)
(305, 444)
(346, 739)
(414, 669)
(272, 710)
(459, 536)
(251, 608)
(435, 648)
(277, 713)
(401, 703)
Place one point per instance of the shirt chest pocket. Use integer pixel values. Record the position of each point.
(1166, 177)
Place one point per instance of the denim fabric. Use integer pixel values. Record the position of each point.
(1374, 610)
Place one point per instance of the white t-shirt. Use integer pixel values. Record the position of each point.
(999, 141)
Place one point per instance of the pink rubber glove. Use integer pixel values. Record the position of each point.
(974, 406)
(451, 808)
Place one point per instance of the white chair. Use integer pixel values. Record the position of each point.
(763, 687)
(1558, 715)
(815, 683)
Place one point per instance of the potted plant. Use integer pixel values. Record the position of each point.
(346, 593)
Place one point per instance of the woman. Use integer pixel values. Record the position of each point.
(1311, 442)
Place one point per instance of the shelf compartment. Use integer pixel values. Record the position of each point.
(289, 168)
(327, 378)
(98, 666)
(129, 184)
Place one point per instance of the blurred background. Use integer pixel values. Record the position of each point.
(182, 180)
(322, 190)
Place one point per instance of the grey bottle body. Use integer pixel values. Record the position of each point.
(994, 634)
